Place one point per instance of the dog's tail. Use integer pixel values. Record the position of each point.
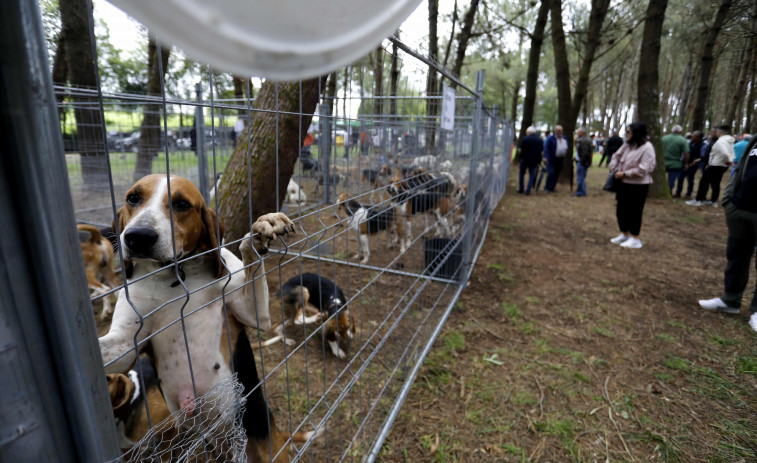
(89, 233)
(256, 408)
(303, 437)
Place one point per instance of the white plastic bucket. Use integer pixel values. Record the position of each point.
(279, 40)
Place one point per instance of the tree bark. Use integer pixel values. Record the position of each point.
(737, 96)
(751, 101)
(705, 68)
(432, 80)
(532, 74)
(149, 132)
(90, 143)
(378, 81)
(464, 37)
(648, 100)
(248, 186)
(596, 20)
(240, 88)
(565, 115)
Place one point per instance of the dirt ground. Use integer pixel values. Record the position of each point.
(565, 347)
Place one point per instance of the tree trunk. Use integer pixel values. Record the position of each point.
(596, 20)
(394, 77)
(683, 92)
(432, 80)
(60, 72)
(565, 115)
(149, 133)
(648, 100)
(703, 89)
(240, 87)
(378, 80)
(451, 36)
(249, 182)
(737, 96)
(751, 101)
(532, 74)
(464, 37)
(75, 27)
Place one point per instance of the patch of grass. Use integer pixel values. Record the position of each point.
(691, 219)
(581, 377)
(501, 274)
(528, 328)
(721, 341)
(746, 365)
(524, 398)
(532, 300)
(563, 428)
(496, 267)
(666, 337)
(512, 448)
(511, 310)
(603, 332)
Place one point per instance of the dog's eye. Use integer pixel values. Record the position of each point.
(181, 205)
(133, 199)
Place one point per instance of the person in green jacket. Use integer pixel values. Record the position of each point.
(676, 149)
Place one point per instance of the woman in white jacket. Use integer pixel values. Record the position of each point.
(633, 164)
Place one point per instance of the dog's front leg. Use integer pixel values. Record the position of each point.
(265, 229)
(120, 338)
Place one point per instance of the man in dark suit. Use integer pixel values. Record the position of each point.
(530, 158)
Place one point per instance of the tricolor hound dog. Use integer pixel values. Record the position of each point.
(98, 264)
(421, 192)
(366, 220)
(187, 324)
(310, 298)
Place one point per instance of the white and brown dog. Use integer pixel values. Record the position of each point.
(367, 221)
(161, 221)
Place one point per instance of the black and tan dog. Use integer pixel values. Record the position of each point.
(310, 298)
(421, 192)
(366, 221)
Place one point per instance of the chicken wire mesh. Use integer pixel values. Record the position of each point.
(385, 204)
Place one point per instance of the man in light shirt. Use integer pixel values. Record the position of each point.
(555, 148)
(721, 157)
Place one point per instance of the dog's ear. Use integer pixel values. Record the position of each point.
(128, 264)
(120, 388)
(210, 239)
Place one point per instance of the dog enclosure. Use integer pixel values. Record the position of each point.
(374, 126)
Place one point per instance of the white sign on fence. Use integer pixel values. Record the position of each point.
(448, 108)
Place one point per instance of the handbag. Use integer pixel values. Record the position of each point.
(612, 183)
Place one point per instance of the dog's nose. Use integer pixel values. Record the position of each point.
(140, 240)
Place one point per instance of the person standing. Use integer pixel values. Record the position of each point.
(612, 145)
(633, 164)
(530, 159)
(721, 156)
(555, 148)
(584, 153)
(676, 150)
(738, 150)
(740, 206)
(696, 146)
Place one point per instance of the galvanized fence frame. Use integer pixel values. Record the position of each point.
(400, 302)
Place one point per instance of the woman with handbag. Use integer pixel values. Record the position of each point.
(632, 164)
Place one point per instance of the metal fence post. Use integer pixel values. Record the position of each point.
(324, 150)
(470, 202)
(202, 157)
(54, 403)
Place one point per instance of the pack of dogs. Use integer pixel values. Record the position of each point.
(164, 350)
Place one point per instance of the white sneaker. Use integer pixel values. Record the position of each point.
(620, 238)
(753, 321)
(694, 202)
(632, 243)
(717, 305)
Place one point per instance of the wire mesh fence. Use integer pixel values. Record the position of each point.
(388, 213)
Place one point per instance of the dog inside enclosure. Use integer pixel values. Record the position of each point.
(97, 252)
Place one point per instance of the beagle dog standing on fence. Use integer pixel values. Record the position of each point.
(180, 305)
(97, 253)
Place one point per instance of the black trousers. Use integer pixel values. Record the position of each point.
(742, 238)
(711, 179)
(688, 174)
(631, 199)
(553, 172)
(605, 156)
